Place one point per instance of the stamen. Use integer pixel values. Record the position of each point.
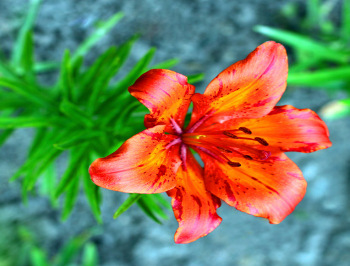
(176, 126)
(245, 130)
(262, 141)
(183, 156)
(229, 134)
(174, 142)
(234, 164)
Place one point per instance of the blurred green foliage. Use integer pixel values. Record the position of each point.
(20, 247)
(84, 115)
(321, 49)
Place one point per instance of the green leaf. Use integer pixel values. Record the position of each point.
(195, 78)
(162, 201)
(320, 77)
(78, 138)
(32, 176)
(345, 26)
(304, 43)
(67, 254)
(127, 204)
(28, 121)
(19, 48)
(4, 135)
(166, 64)
(90, 255)
(41, 67)
(118, 92)
(313, 13)
(66, 79)
(102, 30)
(10, 100)
(38, 257)
(71, 197)
(29, 93)
(145, 206)
(135, 72)
(150, 201)
(48, 184)
(27, 58)
(72, 171)
(75, 113)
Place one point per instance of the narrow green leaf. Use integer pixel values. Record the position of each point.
(304, 43)
(136, 71)
(147, 210)
(75, 113)
(66, 79)
(91, 190)
(150, 201)
(162, 201)
(345, 26)
(313, 13)
(195, 78)
(27, 58)
(71, 197)
(32, 176)
(118, 90)
(38, 257)
(4, 135)
(90, 255)
(41, 67)
(18, 50)
(10, 100)
(166, 64)
(319, 77)
(30, 94)
(127, 204)
(71, 249)
(28, 121)
(72, 171)
(78, 138)
(101, 31)
(48, 184)
(6, 71)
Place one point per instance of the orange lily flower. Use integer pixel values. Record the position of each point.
(237, 130)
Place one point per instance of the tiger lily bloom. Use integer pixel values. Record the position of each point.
(238, 132)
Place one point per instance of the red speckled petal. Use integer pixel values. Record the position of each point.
(249, 88)
(140, 165)
(270, 189)
(166, 94)
(285, 128)
(194, 207)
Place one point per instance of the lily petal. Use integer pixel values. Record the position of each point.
(270, 189)
(285, 128)
(194, 207)
(166, 94)
(249, 88)
(141, 165)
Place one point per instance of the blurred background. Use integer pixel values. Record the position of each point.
(206, 36)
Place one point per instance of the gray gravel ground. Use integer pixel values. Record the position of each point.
(207, 36)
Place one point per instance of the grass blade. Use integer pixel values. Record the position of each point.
(127, 204)
(304, 43)
(18, 50)
(102, 30)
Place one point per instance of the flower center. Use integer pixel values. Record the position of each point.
(220, 145)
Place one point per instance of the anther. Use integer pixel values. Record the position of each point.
(224, 150)
(261, 141)
(229, 134)
(234, 164)
(245, 130)
(248, 157)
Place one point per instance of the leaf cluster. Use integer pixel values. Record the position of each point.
(87, 113)
(321, 61)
